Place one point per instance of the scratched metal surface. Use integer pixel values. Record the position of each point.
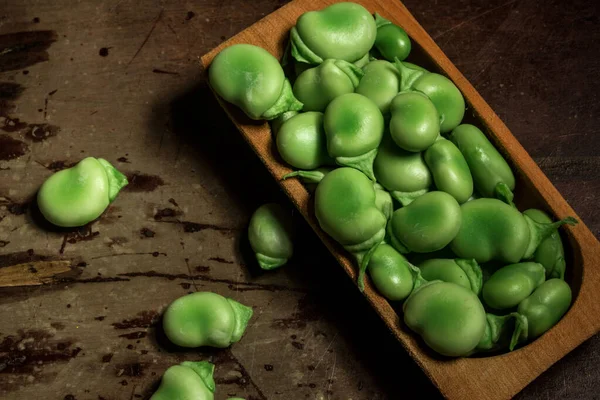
(120, 79)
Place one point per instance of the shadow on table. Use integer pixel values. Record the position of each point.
(198, 121)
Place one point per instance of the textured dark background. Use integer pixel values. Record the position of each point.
(121, 80)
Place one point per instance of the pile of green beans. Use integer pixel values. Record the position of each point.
(422, 200)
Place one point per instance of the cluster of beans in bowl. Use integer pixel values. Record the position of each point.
(422, 201)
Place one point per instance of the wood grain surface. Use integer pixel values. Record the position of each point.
(122, 80)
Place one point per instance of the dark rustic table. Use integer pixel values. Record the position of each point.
(121, 80)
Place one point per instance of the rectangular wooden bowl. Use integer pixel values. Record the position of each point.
(495, 377)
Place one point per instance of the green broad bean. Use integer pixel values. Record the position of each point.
(380, 83)
(550, 253)
(270, 233)
(354, 128)
(427, 224)
(450, 318)
(511, 284)
(317, 87)
(302, 143)
(205, 319)
(491, 174)
(344, 200)
(441, 91)
(500, 330)
(188, 380)
(415, 122)
(78, 195)
(251, 78)
(342, 31)
(465, 273)
(450, 171)
(391, 41)
(545, 307)
(403, 173)
(492, 230)
(390, 272)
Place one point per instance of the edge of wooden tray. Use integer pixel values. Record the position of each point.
(496, 377)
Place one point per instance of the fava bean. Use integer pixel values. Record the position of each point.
(342, 31)
(302, 143)
(391, 273)
(427, 224)
(415, 122)
(492, 230)
(441, 91)
(545, 307)
(391, 40)
(354, 128)
(449, 317)
(450, 171)
(550, 253)
(205, 319)
(403, 173)
(270, 234)
(188, 380)
(251, 78)
(466, 273)
(317, 87)
(78, 195)
(511, 284)
(344, 200)
(380, 83)
(491, 174)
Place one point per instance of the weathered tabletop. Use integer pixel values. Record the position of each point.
(121, 80)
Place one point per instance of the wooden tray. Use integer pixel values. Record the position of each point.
(496, 377)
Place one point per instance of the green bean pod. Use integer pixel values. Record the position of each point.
(491, 174)
(466, 273)
(415, 123)
(205, 319)
(317, 87)
(270, 233)
(545, 307)
(380, 83)
(251, 78)
(392, 41)
(427, 224)
(441, 91)
(302, 143)
(550, 253)
(450, 171)
(188, 380)
(511, 284)
(450, 318)
(78, 195)
(342, 31)
(344, 200)
(354, 128)
(403, 173)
